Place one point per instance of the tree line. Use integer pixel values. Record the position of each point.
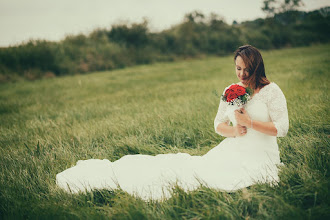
(126, 44)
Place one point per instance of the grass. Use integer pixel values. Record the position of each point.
(47, 125)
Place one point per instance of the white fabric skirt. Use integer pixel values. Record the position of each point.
(234, 164)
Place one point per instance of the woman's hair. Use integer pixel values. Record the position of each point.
(255, 65)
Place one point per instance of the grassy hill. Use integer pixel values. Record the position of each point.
(47, 125)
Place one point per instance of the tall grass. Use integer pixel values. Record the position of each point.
(47, 125)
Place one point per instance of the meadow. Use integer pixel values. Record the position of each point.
(47, 125)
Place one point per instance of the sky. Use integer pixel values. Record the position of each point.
(21, 20)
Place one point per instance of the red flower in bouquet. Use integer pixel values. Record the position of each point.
(237, 94)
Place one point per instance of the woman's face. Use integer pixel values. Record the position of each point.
(241, 72)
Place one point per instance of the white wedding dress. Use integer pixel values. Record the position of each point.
(234, 164)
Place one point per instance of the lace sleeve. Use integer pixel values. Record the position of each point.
(221, 116)
(278, 110)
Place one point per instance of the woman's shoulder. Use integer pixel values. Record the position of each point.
(274, 87)
(270, 87)
(273, 91)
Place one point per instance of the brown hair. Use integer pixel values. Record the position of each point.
(255, 65)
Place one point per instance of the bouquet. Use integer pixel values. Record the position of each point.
(237, 95)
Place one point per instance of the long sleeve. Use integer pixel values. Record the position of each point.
(221, 116)
(278, 111)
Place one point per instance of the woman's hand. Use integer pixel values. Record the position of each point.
(231, 131)
(240, 130)
(242, 118)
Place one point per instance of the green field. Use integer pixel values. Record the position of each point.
(47, 125)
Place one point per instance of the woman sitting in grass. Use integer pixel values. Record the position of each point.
(251, 114)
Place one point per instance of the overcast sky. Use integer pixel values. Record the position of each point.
(21, 20)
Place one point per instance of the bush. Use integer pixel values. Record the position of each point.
(129, 44)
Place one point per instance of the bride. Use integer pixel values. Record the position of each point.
(247, 156)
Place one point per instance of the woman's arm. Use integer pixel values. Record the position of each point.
(278, 112)
(264, 127)
(230, 131)
(221, 116)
